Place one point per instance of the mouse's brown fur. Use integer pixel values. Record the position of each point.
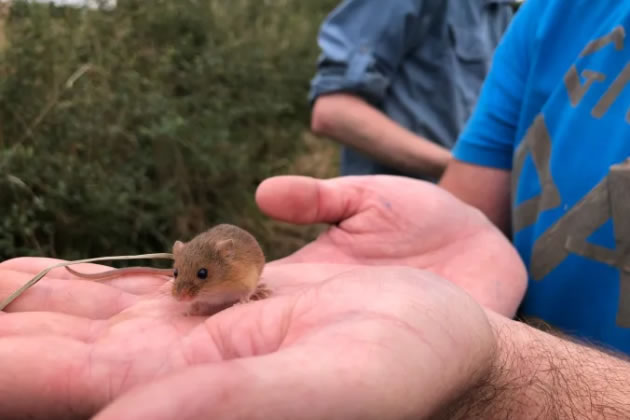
(234, 262)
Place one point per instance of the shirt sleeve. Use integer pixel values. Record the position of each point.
(489, 135)
(362, 43)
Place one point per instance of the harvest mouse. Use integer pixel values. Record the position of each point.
(220, 266)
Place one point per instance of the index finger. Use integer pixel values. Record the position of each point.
(136, 284)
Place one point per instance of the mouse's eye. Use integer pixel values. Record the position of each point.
(202, 274)
(175, 272)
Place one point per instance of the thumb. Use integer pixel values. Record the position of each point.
(305, 200)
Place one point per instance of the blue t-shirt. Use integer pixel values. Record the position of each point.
(421, 62)
(555, 111)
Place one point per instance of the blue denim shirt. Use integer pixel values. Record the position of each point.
(421, 62)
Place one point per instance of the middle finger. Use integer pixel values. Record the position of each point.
(135, 284)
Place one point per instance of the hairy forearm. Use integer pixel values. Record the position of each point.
(539, 375)
(354, 123)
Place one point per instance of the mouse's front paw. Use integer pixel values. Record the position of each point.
(262, 292)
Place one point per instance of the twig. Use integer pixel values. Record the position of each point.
(42, 273)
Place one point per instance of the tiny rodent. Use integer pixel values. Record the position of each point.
(222, 265)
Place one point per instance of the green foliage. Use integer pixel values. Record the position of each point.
(123, 130)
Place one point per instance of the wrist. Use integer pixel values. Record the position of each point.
(536, 374)
(474, 400)
(503, 391)
(522, 381)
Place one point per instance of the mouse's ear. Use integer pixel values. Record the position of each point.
(177, 247)
(226, 248)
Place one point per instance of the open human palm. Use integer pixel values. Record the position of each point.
(390, 220)
(332, 342)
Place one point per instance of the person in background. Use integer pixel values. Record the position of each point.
(397, 80)
(546, 159)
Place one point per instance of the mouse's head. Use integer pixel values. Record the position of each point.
(199, 264)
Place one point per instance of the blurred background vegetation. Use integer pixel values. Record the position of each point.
(123, 130)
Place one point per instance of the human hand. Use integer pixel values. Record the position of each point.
(332, 342)
(388, 220)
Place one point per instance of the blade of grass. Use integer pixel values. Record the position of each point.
(45, 271)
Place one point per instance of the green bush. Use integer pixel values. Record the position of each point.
(123, 130)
